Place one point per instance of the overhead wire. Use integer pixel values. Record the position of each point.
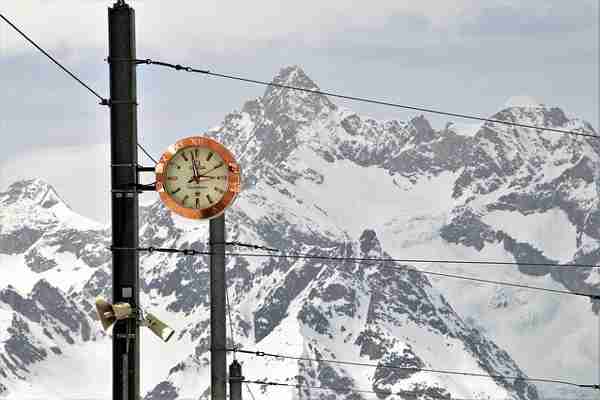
(192, 252)
(349, 389)
(146, 153)
(426, 272)
(180, 67)
(249, 390)
(103, 101)
(410, 369)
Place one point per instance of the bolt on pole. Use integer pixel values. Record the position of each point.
(124, 198)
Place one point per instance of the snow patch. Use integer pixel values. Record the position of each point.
(550, 232)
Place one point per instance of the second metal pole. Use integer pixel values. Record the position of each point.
(218, 365)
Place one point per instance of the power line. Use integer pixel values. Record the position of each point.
(192, 252)
(442, 261)
(396, 260)
(179, 67)
(415, 369)
(146, 153)
(249, 390)
(383, 260)
(103, 101)
(349, 389)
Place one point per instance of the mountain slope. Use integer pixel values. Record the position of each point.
(319, 179)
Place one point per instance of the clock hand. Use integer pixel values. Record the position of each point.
(211, 170)
(194, 170)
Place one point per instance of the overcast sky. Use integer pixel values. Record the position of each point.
(465, 56)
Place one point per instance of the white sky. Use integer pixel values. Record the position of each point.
(463, 56)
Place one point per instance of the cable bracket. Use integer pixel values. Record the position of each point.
(110, 102)
(146, 188)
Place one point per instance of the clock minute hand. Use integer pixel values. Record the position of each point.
(211, 170)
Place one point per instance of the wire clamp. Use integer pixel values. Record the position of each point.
(147, 188)
(145, 169)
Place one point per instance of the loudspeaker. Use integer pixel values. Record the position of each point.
(158, 327)
(109, 313)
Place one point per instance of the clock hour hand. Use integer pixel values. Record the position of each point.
(194, 170)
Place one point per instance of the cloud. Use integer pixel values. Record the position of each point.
(221, 26)
(516, 20)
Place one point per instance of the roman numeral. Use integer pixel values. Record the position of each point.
(176, 190)
(183, 155)
(209, 156)
(172, 178)
(197, 203)
(196, 151)
(208, 197)
(185, 198)
(219, 190)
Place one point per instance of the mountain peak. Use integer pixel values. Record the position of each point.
(36, 191)
(297, 104)
(294, 75)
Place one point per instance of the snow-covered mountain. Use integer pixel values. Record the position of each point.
(323, 180)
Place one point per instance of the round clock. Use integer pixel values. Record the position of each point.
(198, 178)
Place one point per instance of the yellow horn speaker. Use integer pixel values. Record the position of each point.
(109, 313)
(158, 327)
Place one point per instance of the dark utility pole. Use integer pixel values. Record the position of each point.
(218, 365)
(124, 198)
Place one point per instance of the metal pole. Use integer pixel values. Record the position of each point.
(218, 366)
(124, 198)
(235, 380)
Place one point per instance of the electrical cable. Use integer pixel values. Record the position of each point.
(103, 101)
(146, 153)
(251, 246)
(436, 261)
(192, 252)
(179, 67)
(249, 390)
(401, 260)
(383, 260)
(348, 389)
(412, 369)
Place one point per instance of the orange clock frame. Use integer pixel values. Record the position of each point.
(233, 178)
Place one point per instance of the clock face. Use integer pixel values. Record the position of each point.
(197, 178)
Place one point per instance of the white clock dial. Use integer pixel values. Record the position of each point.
(196, 177)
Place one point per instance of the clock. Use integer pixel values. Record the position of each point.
(198, 178)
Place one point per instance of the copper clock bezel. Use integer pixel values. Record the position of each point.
(233, 181)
